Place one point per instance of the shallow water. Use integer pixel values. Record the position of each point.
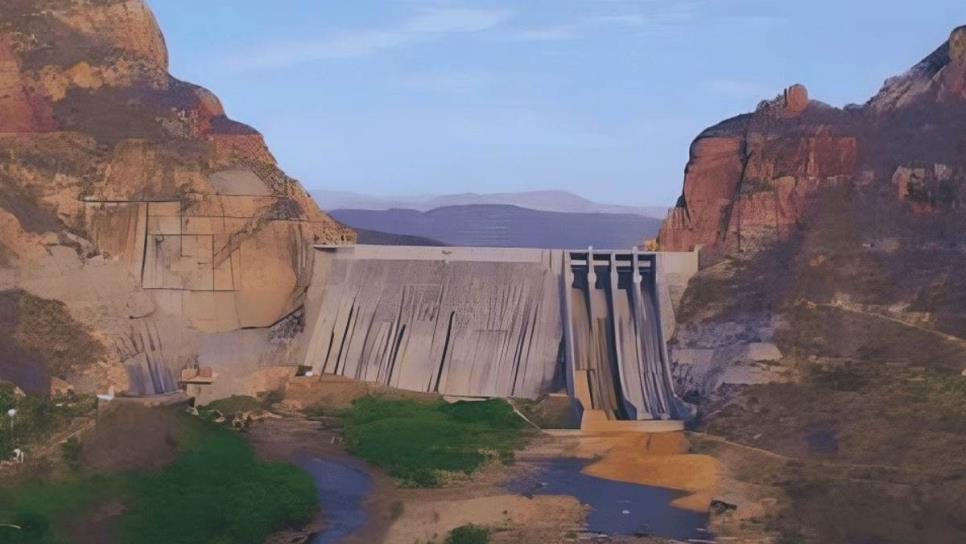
(342, 485)
(619, 508)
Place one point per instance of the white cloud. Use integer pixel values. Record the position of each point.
(428, 24)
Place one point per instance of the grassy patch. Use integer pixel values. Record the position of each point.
(36, 416)
(415, 441)
(216, 491)
(234, 404)
(469, 534)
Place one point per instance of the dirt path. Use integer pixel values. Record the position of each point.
(875, 315)
(816, 463)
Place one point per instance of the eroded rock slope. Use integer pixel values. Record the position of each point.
(130, 197)
(825, 337)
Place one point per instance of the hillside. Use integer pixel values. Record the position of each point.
(507, 226)
(377, 238)
(827, 328)
(137, 221)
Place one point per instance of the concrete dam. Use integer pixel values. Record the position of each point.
(496, 322)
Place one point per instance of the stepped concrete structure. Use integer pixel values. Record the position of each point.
(500, 322)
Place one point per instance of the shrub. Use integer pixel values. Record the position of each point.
(415, 440)
(71, 450)
(217, 491)
(469, 534)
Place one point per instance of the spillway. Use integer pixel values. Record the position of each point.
(618, 363)
(499, 322)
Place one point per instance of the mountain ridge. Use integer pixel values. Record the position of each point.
(495, 225)
(544, 200)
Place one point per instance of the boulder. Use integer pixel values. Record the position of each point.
(796, 99)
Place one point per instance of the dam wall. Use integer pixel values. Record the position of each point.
(456, 321)
(500, 322)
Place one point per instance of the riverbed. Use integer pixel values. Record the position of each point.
(343, 484)
(558, 488)
(616, 507)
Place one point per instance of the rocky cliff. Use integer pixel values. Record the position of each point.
(826, 331)
(130, 197)
(749, 179)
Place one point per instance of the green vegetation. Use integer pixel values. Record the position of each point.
(791, 537)
(234, 404)
(36, 416)
(216, 491)
(469, 534)
(416, 441)
(71, 450)
(316, 410)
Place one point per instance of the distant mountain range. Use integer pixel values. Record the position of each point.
(505, 226)
(378, 238)
(548, 201)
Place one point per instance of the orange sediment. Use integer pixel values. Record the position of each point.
(658, 459)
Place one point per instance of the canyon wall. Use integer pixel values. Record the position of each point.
(802, 208)
(130, 197)
(749, 179)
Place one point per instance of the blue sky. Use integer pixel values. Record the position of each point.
(599, 97)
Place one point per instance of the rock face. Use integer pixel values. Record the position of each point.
(130, 196)
(750, 178)
(821, 224)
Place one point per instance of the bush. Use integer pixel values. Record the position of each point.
(216, 492)
(72, 451)
(415, 440)
(791, 537)
(37, 417)
(232, 405)
(469, 534)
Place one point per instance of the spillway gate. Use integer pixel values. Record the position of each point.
(617, 361)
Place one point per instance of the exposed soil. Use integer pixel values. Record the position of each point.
(660, 460)
(39, 338)
(128, 436)
(864, 452)
(30, 213)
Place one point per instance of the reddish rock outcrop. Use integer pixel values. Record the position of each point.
(749, 179)
(130, 196)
